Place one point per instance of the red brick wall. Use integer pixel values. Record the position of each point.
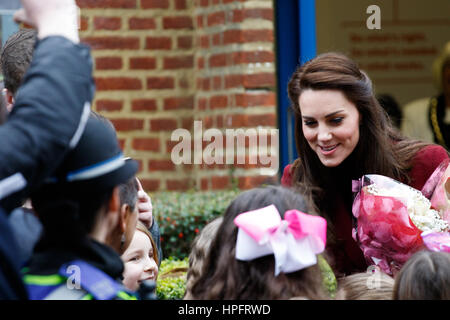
(161, 64)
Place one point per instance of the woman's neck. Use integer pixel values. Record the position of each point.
(347, 170)
(339, 179)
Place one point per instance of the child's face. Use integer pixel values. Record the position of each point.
(139, 261)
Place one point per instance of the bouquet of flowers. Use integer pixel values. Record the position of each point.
(393, 220)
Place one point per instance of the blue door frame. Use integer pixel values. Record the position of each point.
(295, 24)
(8, 26)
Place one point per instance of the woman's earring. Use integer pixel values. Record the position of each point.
(122, 240)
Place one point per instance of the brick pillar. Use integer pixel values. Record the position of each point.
(235, 79)
(161, 64)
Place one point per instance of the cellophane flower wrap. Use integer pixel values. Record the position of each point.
(437, 189)
(390, 219)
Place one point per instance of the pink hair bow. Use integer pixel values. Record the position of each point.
(294, 241)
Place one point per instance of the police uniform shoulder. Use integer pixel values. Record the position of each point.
(96, 282)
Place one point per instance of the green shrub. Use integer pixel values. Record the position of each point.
(171, 282)
(181, 216)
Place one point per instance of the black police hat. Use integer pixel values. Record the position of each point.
(96, 163)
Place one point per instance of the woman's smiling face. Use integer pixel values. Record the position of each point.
(330, 124)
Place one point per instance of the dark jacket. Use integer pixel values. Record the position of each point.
(11, 286)
(46, 119)
(27, 229)
(45, 123)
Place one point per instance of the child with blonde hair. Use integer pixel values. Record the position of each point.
(371, 285)
(140, 259)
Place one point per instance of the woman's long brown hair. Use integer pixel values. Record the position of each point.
(381, 148)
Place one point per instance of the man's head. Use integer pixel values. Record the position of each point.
(16, 57)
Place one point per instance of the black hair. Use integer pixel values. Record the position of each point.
(392, 108)
(128, 193)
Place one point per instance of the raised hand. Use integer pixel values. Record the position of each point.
(50, 17)
(144, 206)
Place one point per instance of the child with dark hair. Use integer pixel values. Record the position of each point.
(425, 276)
(265, 248)
(85, 227)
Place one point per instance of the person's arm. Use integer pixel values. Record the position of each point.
(424, 163)
(145, 210)
(145, 207)
(48, 116)
(51, 18)
(286, 179)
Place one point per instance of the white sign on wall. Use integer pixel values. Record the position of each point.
(394, 41)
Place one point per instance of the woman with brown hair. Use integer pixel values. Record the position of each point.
(341, 134)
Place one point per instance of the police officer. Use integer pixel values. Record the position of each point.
(85, 228)
(47, 121)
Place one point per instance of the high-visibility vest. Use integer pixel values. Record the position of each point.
(76, 280)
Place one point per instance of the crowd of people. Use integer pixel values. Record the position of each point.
(76, 224)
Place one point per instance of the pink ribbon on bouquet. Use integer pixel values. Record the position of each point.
(294, 241)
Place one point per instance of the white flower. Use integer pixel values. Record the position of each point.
(419, 207)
